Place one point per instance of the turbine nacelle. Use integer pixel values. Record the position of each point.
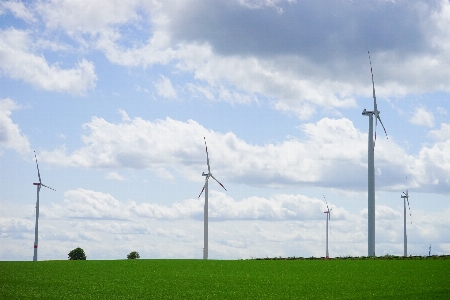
(328, 209)
(328, 212)
(41, 184)
(406, 196)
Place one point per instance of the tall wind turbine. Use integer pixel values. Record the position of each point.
(328, 212)
(405, 197)
(205, 211)
(371, 168)
(38, 184)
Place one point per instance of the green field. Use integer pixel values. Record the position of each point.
(226, 279)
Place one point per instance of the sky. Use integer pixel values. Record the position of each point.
(116, 98)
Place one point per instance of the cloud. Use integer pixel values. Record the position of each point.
(163, 173)
(19, 62)
(114, 176)
(276, 208)
(336, 54)
(422, 117)
(88, 204)
(86, 16)
(92, 205)
(442, 134)
(333, 153)
(224, 208)
(164, 88)
(19, 10)
(274, 79)
(10, 135)
(14, 225)
(298, 71)
(441, 111)
(168, 143)
(433, 165)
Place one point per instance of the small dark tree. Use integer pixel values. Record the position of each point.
(133, 255)
(77, 254)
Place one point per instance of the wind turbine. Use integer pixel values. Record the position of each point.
(205, 210)
(38, 184)
(328, 212)
(405, 197)
(371, 168)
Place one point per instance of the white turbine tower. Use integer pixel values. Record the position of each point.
(371, 168)
(205, 211)
(328, 212)
(38, 184)
(405, 197)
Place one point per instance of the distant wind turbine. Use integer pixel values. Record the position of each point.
(205, 211)
(371, 168)
(328, 212)
(405, 197)
(38, 184)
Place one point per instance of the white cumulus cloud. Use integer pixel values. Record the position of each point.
(333, 152)
(165, 88)
(422, 117)
(114, 176)
(18, 61)
(10, 135)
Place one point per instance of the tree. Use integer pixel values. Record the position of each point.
(77, 254)
(133, 255)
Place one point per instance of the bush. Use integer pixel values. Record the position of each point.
(133, 255)
(77, 254)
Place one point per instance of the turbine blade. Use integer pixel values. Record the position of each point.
(206, 180)
(383, 126)
(328, 210)
(201, 191)
(218, 182)
(375, 107)
(329, 220)
(48, 187)
(207, 156)
(375, 110)
(409, 208)
(376, 123)
(37, 166)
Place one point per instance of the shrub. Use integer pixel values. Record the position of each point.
(77, 254)
(133, 255)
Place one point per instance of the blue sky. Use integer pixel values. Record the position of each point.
(115, 97)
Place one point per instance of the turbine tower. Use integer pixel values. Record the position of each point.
(328, 212)
(205, 210)
(371, 168)
(38, 184)
(405, 197)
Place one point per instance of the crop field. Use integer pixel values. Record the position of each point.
(226, 279)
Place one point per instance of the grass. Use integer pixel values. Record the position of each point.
(226, 279)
